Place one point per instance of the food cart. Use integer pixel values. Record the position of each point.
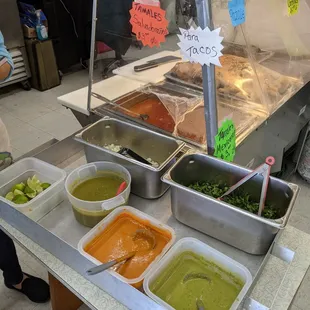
(274, 253)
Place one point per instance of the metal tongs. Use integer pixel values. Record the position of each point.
(126, 151)
(263, 170)
(144, 117)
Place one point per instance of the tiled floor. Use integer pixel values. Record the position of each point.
(33, 118)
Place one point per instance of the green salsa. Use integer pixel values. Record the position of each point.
(98, 189)
(190, 277)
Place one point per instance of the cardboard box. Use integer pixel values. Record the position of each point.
(43, 64)
(30, 33)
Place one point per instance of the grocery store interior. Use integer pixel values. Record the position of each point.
(90, 99)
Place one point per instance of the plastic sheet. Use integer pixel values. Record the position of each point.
(266, 61)
(177, 105)
(180, 111)
(238, 79)
(269, 28)
(193, 127)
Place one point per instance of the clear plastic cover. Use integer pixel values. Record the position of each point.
(266, 61)
(269, 28)
(237, 79)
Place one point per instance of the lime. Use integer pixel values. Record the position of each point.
(39, 189)
(35, 179)
(9, 196)
(19, 186)
(31, 195)
(29, 190)
(18, 192)
(20, 199)
(33, 182)
(45, 185)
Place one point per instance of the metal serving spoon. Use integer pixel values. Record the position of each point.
(110, 264)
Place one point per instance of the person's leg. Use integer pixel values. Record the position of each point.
(9, 264)
(34, 288)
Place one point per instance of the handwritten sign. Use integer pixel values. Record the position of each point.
(201, 46)
(225, 141)
(292, 7)
(149, 24)
(236, 10)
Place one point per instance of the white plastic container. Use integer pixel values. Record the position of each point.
(97, 230)
(46, 173)
(90, 213)
(210, 254)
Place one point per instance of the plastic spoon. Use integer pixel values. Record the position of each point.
(110, 264)
(121, 188)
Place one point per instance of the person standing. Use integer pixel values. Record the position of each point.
(34, 288)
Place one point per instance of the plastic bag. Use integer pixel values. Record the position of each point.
(177, 105)
(188, 114)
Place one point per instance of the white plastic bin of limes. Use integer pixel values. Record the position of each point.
(44, 202)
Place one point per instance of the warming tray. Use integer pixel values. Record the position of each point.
(169, 124)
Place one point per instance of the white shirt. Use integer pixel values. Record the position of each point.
(4, 139)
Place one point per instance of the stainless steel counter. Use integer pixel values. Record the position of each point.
(59, 219)
(58, 232)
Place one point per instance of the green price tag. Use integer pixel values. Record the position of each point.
(292, 6)
(225, 141)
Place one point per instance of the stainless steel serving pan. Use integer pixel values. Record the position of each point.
(146, 180)
(232, 225)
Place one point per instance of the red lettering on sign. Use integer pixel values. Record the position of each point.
(149, 23)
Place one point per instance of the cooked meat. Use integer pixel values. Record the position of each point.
(188, 72)
(236, 78)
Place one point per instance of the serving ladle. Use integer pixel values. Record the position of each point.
(195, 276)
(139, 234)
(200, 305)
